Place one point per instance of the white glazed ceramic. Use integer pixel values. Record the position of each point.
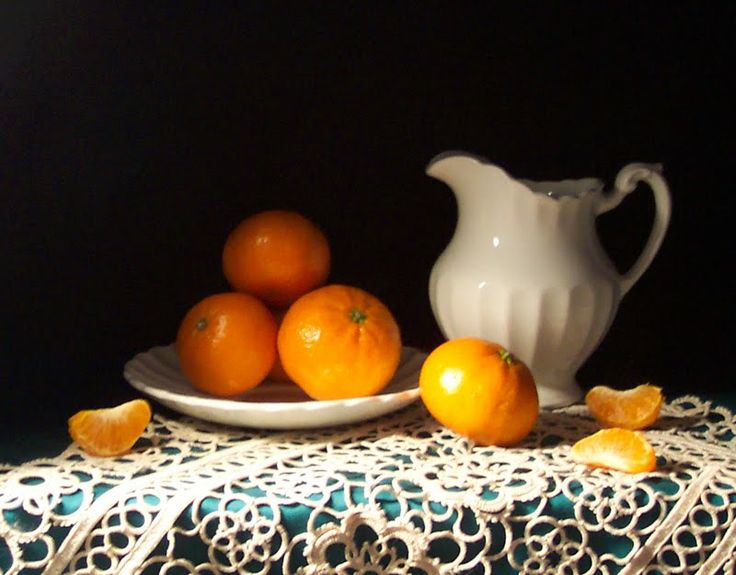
(270, 405)
(525, 267)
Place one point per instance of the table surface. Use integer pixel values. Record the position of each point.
(395, 494)
(43, 441)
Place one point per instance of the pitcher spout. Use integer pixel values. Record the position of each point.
(450, 167)
(471, 178)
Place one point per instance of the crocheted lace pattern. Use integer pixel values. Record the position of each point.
(398, 494)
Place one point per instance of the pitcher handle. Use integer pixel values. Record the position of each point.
(626, 180)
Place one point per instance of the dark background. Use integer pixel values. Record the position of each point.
(133, 137)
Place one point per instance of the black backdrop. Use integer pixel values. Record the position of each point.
(134, 136)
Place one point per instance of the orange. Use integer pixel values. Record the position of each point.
(227, 343)
(479, 390)
(616, 448)
(278, 373)
(112, 430)
(338, 342)
(277, 256)
(635, 408)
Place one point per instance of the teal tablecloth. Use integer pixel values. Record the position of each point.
(398, 494)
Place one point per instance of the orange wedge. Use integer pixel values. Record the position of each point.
(635, 408)
(112, 430)
(616, 448)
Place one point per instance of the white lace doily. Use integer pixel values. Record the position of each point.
(399, 494)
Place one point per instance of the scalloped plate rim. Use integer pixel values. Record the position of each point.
(158, 386)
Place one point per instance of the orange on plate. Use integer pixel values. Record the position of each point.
(277, 256)
(635, 408)
(112, 430)
(227, 343)
(616, 448)
(278, 373)
(338, 342)
(479, 390)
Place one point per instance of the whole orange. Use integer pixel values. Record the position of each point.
(338, 342)
(479, 390)
(277, 256)
(227, 343)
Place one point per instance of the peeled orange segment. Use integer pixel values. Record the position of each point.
(112, 430)
(616, 448)
(635, 408)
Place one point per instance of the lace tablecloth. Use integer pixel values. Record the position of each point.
(398, 494)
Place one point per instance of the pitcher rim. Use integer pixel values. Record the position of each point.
(590, 184)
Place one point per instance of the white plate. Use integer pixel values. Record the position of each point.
(271, 405)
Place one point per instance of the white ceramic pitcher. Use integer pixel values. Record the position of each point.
(525, 267)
